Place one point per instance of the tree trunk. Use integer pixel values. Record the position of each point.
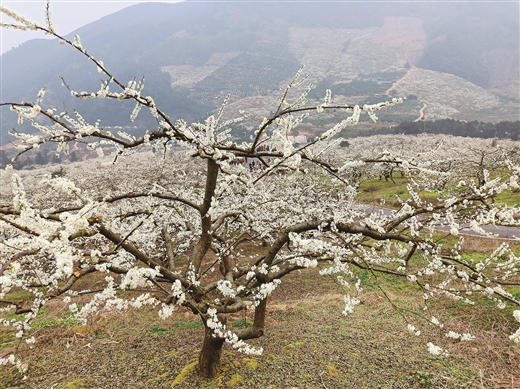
(204, 243)
(209, 358)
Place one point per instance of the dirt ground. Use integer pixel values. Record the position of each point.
(308, 344)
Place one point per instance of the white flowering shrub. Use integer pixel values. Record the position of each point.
(169, 214)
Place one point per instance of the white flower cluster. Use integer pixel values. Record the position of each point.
(191, 275)
(350, 303)
(463, 337)
(119, 304)
(219, 330)
(436, 350)
(138, 277)
(350, 121)
(304, 262)
(516, 336)
(226, 288)
(26, 112)
(12, 360)
(413, 330)
(328, 96)
(178, 292)
(265, 290)
(77, 43)
(166, 311)
(315, 246)
(23, 23)
(93, 305)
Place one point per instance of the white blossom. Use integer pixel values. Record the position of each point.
(436, 350)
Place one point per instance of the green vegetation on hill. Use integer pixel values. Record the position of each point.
(367, 86)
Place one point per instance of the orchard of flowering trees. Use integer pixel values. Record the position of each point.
(164, 223)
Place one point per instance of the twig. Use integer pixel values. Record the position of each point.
(322, 382)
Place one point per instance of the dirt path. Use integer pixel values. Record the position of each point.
(421, 113)
(412, 67)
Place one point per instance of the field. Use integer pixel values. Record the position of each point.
(378, 191)
(308, 343)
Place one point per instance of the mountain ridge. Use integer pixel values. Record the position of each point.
(193, 54)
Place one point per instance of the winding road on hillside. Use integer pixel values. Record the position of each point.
(421, 111)
(401, 79)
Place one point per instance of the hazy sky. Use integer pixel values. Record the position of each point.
(67, 15)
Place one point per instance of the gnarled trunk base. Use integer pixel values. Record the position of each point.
(209, 358)
(211, 352)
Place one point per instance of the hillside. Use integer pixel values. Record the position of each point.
(194, 54)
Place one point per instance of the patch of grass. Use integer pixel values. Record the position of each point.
(423, 379)
(10, 377)
(190, 325)
(242, 323)
(332, 371)
(175, 324)
(250, 362)
(76, 384)
(292, 346)
(6, 339)
(508, 198)
(185, 372)
(46, 319)
(158, 330)
(377, 190)
(235, 380)
(19, 295)
(398, 285)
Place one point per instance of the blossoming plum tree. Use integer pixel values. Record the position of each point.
(167, 226)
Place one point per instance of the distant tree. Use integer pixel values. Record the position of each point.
(171, 227)
(59, 173)
(474, 129)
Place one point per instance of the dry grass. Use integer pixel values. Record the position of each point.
(308, 344)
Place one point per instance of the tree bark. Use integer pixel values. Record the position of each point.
(209, 358)
(257, 329)
(204, 242)
(211, 352)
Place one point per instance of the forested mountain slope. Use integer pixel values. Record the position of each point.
(460, 60)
